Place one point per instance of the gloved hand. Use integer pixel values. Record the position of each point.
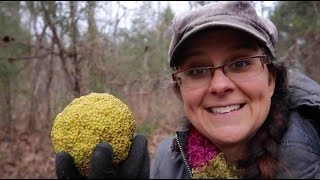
(137, 165)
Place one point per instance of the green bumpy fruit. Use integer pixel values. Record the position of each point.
(89, 120)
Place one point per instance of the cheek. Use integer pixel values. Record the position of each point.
(259, 92)
(192, 98)
(261, 87)
(267, 85)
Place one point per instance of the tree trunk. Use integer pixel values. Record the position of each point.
(74, 53)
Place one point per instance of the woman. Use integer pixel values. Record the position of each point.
(234, 93)
(242, 119)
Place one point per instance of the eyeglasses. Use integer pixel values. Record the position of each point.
(236, 70)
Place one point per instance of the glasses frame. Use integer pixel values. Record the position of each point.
(264, 59)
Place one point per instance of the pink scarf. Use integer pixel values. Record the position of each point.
(205, 159)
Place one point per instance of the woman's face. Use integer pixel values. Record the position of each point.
(205, 107)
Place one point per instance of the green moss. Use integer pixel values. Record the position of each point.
(217, 168)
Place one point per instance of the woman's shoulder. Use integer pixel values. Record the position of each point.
(168, 163)
(166, 143)
(304, 106)
(303, 131)
(300, 148)
(303, 91)
(164, 148)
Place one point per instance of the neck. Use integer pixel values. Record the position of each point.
(232, 153)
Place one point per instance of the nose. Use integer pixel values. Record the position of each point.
(220, 84)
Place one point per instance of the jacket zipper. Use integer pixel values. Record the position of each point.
(183, 156)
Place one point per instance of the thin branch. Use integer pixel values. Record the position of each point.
(29, 45)
(57, 41)
(25, 58)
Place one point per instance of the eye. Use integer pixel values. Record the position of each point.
(239, 65)
(197, 72)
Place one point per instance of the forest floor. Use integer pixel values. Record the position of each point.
(25, 155)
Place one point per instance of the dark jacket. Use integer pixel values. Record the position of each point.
(300, 146)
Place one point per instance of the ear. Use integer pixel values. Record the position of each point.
(176, 90)
(272, 81)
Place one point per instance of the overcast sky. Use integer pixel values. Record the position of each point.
(181, 6)
(103, 13)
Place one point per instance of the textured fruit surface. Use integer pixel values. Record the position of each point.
(89, 120)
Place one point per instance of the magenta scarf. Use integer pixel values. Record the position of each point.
(205, 159)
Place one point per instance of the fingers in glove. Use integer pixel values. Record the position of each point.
(65, 167)
(137, 164)
(145, 170)
(101, 162)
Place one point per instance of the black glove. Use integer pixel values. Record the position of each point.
(137, 165)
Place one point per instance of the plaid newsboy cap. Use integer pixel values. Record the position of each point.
(239, 15)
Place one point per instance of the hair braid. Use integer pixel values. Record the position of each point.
(261, 158)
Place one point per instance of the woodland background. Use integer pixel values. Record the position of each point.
(54, 51)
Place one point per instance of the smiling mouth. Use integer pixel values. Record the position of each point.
(225, 109)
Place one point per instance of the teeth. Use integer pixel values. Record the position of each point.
(225, 109)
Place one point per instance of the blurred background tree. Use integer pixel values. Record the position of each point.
(298, 23)
(54, 51)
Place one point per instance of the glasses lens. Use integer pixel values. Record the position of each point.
(194, 78)
(243, 69)
(236, 70)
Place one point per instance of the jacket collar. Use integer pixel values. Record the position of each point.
(182, 136)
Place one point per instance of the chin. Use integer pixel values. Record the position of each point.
(230, 138)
